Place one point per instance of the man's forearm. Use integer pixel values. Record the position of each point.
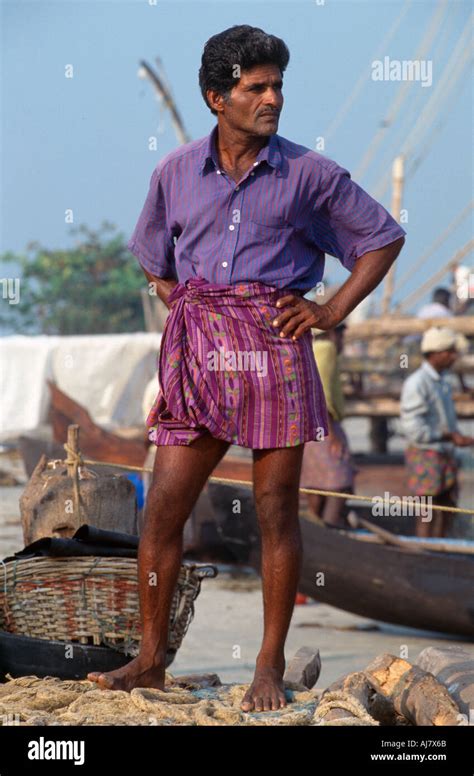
(368, 271)
(162, 286)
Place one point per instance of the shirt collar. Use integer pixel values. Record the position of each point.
(270, 153)
(430, 369)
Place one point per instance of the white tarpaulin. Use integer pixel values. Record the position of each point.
(107, 374)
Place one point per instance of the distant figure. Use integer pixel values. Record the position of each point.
(327, 464)
(439, 307)
(428, 421)
(463, 284)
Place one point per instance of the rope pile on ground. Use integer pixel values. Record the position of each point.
(341, 699)
(50, 701)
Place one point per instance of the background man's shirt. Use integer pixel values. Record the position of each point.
(434, 310)
(274, 226)
(427, 409)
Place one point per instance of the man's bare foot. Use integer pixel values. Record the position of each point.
(134, 674)
(267, 692)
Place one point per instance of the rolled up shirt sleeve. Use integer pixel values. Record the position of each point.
(151, 242)
(346, 221)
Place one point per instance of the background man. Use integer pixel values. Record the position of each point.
(327, 464)
(428, 421)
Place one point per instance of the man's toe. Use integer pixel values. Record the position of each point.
(247, 703)
(94, 676)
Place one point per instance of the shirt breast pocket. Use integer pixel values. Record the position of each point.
(270, 228)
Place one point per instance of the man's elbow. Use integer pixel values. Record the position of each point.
(395, 247)
(387, 255)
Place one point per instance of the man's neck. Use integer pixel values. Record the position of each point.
(237, 149)
(437, 369)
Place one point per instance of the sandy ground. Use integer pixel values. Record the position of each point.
(226, 632)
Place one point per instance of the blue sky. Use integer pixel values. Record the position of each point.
(82, 143)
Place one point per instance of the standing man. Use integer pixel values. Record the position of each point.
(232, 235)
(428, 421)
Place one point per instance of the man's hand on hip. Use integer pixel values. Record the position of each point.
(301, 314)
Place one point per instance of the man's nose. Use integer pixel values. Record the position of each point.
(273, 99)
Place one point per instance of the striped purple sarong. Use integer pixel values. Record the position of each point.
(224, 369)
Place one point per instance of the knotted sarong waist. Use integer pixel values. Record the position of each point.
(224, 369)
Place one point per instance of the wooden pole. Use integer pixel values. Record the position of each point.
(164, 93)
(397, 192)
(73, 445)
(72, 462)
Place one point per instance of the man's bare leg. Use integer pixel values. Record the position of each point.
(447, 499)
(331, 509)
(179, 474)
(276, 482)
(316, 503)
(335, 510)
(442, 521)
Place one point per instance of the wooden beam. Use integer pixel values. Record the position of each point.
(381, 327)
(390, 408)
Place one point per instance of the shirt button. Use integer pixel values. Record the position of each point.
(218, 172)
(255, 164)
(224, 264)
(252, 173)
(231, 227)
(237, 188)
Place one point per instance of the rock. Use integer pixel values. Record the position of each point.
(304, 668)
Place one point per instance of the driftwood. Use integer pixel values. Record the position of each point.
(453, 667)
(415, 694)
(353, 700)
(351, 691)
(304, 668)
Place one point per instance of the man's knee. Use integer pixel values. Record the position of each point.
(276, 503)
(166, 508)
(276, 492)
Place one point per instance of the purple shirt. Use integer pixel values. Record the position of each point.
(274, 226)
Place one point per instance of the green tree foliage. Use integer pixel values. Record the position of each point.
(92, 288)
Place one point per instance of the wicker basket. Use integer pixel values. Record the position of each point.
(89, 600)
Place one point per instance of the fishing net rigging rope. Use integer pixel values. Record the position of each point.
(337, 494)
(30, 700)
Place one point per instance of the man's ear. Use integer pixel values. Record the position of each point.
(215, 100)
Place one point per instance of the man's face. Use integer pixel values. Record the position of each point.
(444, 359)
(255, 101)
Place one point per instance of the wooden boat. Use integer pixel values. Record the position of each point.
(422, 584)
(96, 442)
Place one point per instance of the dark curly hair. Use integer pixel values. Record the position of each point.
(239, 45)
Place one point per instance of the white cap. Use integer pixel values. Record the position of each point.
(440, 338)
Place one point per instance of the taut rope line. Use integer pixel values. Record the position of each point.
(226, 480)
